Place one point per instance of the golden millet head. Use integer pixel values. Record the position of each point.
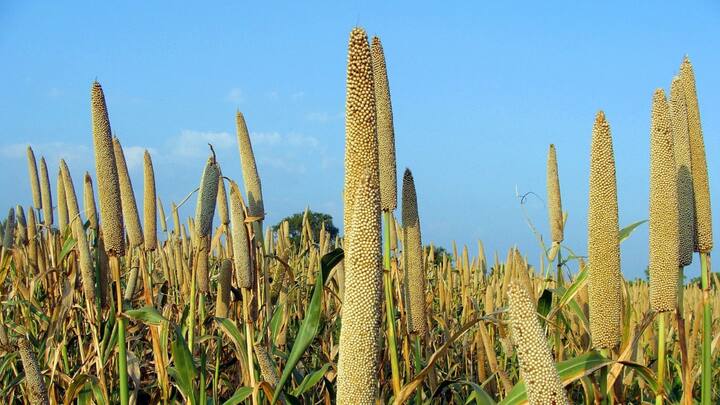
(46, 194)
(553, 195)
(681, 148)
(222, 202)
(149, 201)
(8, 237)
(89, 202)
(87, 264)
(537, 367)
(34, 382)
(31, 223)
(701, 186)
(163, 219)
(222, 301)
(127, 198)
(414, 268)
(251, 178)
(360, 332)
(207, 197)
(361, 143)
(603, 240)
(267, 368)
(240, 244)
(21, 224)
(107, 174)
(385, 129)
(34, 180)
(664, 232)
(62, 208)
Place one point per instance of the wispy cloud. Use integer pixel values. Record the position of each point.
(134, 156)
(53, 151)
(235, 95)
(195, 143)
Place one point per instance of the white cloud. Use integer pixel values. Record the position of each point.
(235, 95)
(265, 138)
(195, 143)
(52, 151)
(135, 156)
(318, 117)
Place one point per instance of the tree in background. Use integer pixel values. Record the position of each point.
(316, 220)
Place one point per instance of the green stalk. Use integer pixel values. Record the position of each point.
(707, 330)
(605, 398)
(558, 340)
(390, 307)
(216, 376)
(121, 321)
(191, 320)
(661, 359)
(418, 368)
(203, 357)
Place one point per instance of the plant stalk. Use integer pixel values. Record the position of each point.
(706, 397)
(390, 307)
(121, 321)
(661, 359)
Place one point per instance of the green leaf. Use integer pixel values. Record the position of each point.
(478, 394)
(276, 321)
(570, 370)
(67, 247)
(232, 331)
(573, 289)
(184, 371)
(149, 315)
(646, 374)
(628, 230)
(310, 380)
(544, 304)
(240, 395)
(311, 322)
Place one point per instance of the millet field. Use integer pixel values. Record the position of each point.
(120, 300)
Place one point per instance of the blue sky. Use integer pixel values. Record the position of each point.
(478, 94)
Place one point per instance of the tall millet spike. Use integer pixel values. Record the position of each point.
(240, 244)
(46, 194)
(21, 225)
(701, 186)
(415, 270)
(34, 180)
(149, 203)
(8, 236)
(107, 175)
(222, 202)
(34, 382)
(89, 202)
(537, 368)
(87, 265)
(681, 147)
(222, 300)
(361, 143)
(555, 213)
(249, 169)
(62, 208)
(385, 129)
(206, 199)
(603, 244)
(204, 212)
(127, 198)
(664, 230)
(357, 377)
